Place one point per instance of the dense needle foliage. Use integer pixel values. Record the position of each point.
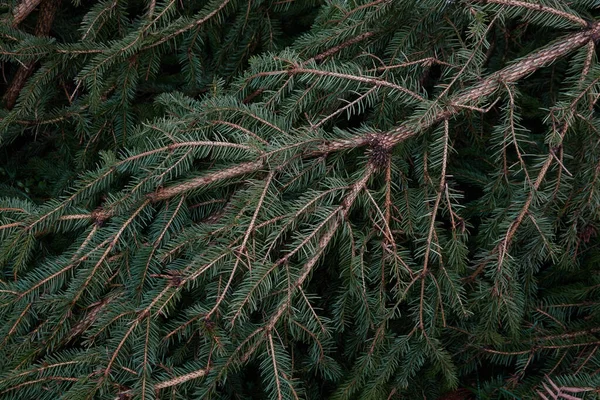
(299, 199)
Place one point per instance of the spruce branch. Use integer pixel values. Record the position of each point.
(35, 381)
(472, 57)
(306, 228)
(365, 6)
(538, 8)
(186, 28)
(157, 242)
(334, 220)
(135, 44)
(346, 107)
(555, 392)
(242, 250)
(427, 62)
(108, 10)
(181, 379)
(512, 73)
(44, 24)
(114, 240)
(192, 184)
(339, 47)
(430, 235)
(511, 115)
(62, 271)
(503, 246)
(376, 82)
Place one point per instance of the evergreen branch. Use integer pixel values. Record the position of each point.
(440, 191)
(108, 324)
(340, 212)
(151, 8)
(99, 15)
(512, 73)
(15, 325)
(365, 6)
(274, 241)
(156, 244)
(90, 318)
(145, 362)
(121, 50)
(537, 7)
(503, 246)
(242, 249)
(186, 28)
(181, 379)
(181, 327)
(109, 248)
(346, 107)
(339, 47)
(62, 271)
(192, 184)
(376, 82)
(555, 392)
(511, 111)
(44, 23)
(247, 112)
(191, 255)
(117, 350)
(78, 52)
(176, 145)
(72, 198)
(316, 318)
(509, 74)
(39, 370)
(45, 379)
(177, 286)
(293, 218)
(587, 359)
(427, 62)
(539, 348)
(12, 225)
(467, 63)
(271, 351)
(241, 128)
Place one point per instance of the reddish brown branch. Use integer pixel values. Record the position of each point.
(44, 23)
(23, 10)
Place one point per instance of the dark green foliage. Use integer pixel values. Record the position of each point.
(342, 199)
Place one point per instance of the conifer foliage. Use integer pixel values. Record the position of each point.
(299, 199)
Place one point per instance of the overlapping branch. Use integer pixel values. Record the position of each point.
(453, 105)
(537, 7)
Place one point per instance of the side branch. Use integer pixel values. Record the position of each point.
(509, 74)
(340, 47)
(240, 169)
(181, 379)
(44, 24)
(369, 80)
(342, 212)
